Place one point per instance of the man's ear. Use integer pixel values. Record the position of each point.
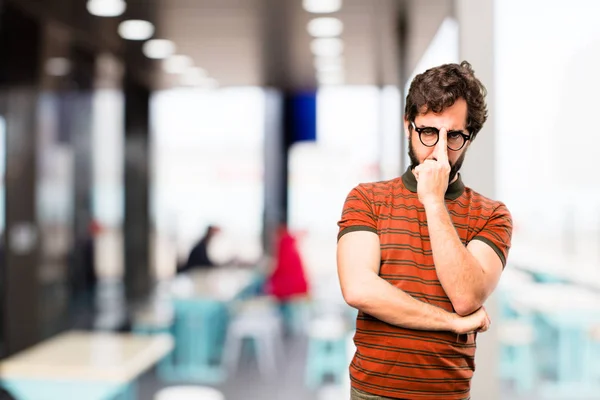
(406, 128)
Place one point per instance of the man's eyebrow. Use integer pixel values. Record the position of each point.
(421, 125)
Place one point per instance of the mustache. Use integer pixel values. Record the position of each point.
(454, 166)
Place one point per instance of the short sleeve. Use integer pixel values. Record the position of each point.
(497, 232)
(357, 214)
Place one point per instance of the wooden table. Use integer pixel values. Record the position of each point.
(83, 366)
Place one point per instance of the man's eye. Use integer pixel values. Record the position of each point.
(429, 132)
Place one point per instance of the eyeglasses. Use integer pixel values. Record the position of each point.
(429, 136)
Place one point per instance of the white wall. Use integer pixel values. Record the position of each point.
(424, 19)
(547, 85)
(207, 153)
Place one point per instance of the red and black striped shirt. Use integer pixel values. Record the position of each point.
(402, 363)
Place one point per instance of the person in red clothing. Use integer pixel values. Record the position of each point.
(287, 279)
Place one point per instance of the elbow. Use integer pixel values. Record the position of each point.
(466, 307)
(357, 290)
(353, 296)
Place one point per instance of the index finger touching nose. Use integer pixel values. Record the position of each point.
(441, 150)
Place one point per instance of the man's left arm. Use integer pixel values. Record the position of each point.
(468, 274)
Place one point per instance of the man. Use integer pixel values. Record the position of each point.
(419, 255)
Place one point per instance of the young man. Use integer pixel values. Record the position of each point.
(419, 255)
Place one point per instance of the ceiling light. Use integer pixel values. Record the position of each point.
(327, 47)
(58, 66)
(177, 64)
(331, 80)
(136, 29)
(325, 27)
(201, 83)
(322, 6)
(193, 77)
(210, 83)
(330, 75)
(106, 8)
(328, 63)
(158, 48)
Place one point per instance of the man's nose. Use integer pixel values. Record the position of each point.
(443, 132)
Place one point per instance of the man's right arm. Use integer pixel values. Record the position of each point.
(358, 260)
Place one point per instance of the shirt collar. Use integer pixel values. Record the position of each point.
(454, 191)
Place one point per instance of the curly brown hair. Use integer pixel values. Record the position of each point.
(438, 88)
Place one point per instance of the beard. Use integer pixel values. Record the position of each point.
(454, 167)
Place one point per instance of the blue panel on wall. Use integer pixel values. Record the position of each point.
(303, 116)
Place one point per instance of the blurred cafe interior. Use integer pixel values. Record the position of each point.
(172, 173)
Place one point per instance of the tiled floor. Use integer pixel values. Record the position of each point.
(248, 384)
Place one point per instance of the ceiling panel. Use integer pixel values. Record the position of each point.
(227, 39)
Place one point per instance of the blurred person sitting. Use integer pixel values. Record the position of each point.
(199, 256)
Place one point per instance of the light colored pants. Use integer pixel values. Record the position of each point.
(359, 395)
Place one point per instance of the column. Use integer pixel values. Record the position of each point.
(276, 76)
(79, 123)
(476, 22)
(19, 71)
(137, 220)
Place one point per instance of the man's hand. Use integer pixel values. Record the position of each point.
(479, 321)
(433, 174)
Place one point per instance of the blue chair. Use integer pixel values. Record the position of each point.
(517, 358)
(545, 348)
(259, 321)
(517, 337)
(574, 348)
(327, 352)
(594, 354)
(199, 331)
(544, 277)
(165, 369)
(255, 288)
(295, 312)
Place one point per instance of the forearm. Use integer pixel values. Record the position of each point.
(460, 274)
(390, 304)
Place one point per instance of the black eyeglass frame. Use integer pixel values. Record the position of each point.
(420, 130)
